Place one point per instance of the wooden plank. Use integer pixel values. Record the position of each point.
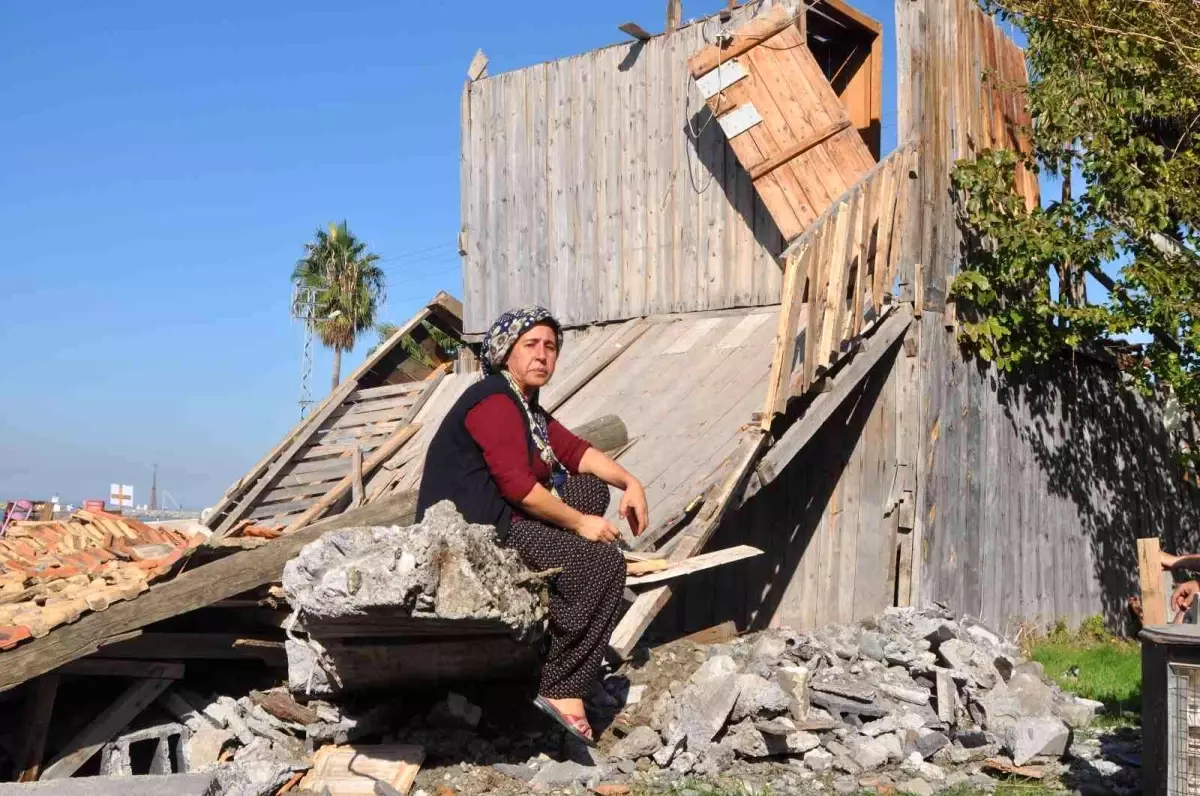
(35, 725)
(824, 405)
(747, 37)
(356, 478)
(194, 588)
(635, 30)
(113, 667)
(346, 484)
(104, 727)
(785, 339)
(831, 333)
(386, 391)
(798, 148)
(356, 770)
(1154, 606)
(478, 67)
(639, 616)
(694, 564)
(198, 646)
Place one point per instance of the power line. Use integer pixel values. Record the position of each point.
(404, 255)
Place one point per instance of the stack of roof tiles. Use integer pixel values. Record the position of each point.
(53, 571)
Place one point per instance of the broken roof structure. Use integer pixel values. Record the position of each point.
(761, 294)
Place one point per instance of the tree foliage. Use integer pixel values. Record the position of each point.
(447, 343)
(1114, 95)
(349, 286)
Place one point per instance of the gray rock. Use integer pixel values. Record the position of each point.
(564, 774)
(844, 688)
(716, 667)
(915, 787)
(703, 708)
(203, 747)
(715, 760)
(839, 707)
(1000, 708)
(1075, 714)
(683, 763)
(198, 784)
(769, 647)
(845, 785)
(873, 729)
(758, 696)
(1028, 738)
(1033, 695)
(914, 695)
(956, 654)
(869, 753)
(818, 760)
(781, 726)
(891, 742)
(929, 742)
(938, 633)
(519, 772)
(642, 742)
(910, 721)
(872, 645)
(982, 783)
(972, 739)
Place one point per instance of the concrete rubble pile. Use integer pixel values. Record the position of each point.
(906, 702)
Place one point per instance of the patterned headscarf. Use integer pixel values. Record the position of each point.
(497, 345)
(502, 336)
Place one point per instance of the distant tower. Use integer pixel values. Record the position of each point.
(304, 301)
(154, 490)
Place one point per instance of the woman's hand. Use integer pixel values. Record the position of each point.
(596, 529)
(633, 507)
(1184, 595)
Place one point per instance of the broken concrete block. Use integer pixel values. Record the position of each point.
(564, 774)
(957, 654)
(1033, 695)
(759, 696)
(794, 682)
(642, 742)
(196, 784)
(818, 760)
(873, 729)
(914, 695)
(891, 742)
(1036, 736)
(868, 753)
(718, 666)
(1075, 713)
(930, 741)
(204, 746)
(704, 707)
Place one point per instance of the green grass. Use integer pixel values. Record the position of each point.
(1110, 669)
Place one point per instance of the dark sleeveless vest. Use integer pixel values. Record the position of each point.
(455, 469)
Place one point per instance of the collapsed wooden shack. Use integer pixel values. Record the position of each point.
(761, 295)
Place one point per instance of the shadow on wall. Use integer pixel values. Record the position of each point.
(1103, 446)
(786, 520)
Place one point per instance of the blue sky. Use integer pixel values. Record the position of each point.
(162, 165)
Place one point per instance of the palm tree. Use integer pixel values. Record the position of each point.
(349, 287)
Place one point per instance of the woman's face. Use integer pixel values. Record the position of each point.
(533, 357)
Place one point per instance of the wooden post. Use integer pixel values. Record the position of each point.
(1154, 606)
(674, 14)
(39, 705)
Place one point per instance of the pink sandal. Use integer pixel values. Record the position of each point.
(576, 725)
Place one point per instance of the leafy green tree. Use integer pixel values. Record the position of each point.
(446, 343)
(1114, 95)
(349, 287)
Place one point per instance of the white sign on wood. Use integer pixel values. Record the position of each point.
(739, 120)
(720, 79)
(121, 495)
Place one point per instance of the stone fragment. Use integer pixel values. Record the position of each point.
(1000, 708)
(891, 742)
(1075, 715)
(872, 645)
(718, 666)
(715, 760)
(642, 742)
(781, 725)
(1031, 737)
(204, 746)
(683, 763)
(845, 785)
(564, 774)
(915, 787)
(947, 698)
(931, 741)
(634, 694)
(910, 721)
(794, 682)
(769, 647)
(519, 771)
(972, 739)
(956, 654)
(1033, 695)
(913, 695)
(839, 707)
(703, 708)
(758, 696)
(818, 760)
(878, 727)
(844, 688)
(868, 753)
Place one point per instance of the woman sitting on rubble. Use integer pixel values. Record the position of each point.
(503, 461)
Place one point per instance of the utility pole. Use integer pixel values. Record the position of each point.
(304, 300)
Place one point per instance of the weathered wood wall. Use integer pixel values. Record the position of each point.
(1029, 495)
(586, 191)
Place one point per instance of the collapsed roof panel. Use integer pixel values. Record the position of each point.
(783, 120)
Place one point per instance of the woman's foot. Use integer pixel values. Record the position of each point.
(572, 711)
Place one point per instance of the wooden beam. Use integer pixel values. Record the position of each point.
(339, 491)
(197, 646)
(824, 404)
(647, 605)
(749, 36)
(195, 588)
(39, 707)
(101, 730)
(1154, 601)
(814, 139)
(102, 667)
(794, 278)
(694, 564)
(578, 378)
(356, 477)
(635, 30)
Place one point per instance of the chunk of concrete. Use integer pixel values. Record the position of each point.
(914, 695)
(195, 784)
(1037, 736)
(869, 753)
(794, 682)
(818, 760)
(758, 696)
(642, 742)
(565, 774)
